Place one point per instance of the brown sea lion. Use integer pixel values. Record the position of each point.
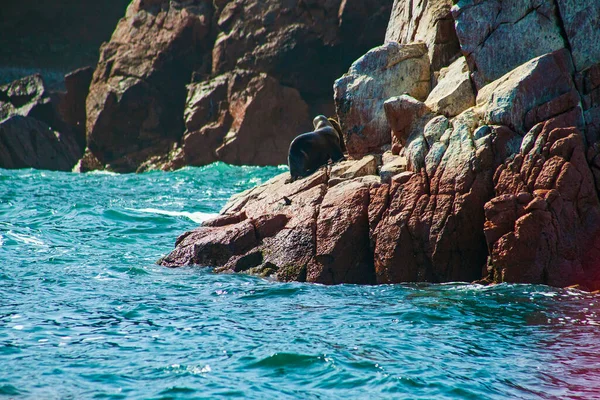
(312, 150)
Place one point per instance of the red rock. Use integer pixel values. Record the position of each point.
(304, 45)
(295, 231)
(137, 94)
(430, 22)
(343, 253)
(379, 199)
(553, 239)
(212, 245)
(433, 228)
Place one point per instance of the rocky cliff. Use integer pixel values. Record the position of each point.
(193, 82)
(190, 83)
(474, 155)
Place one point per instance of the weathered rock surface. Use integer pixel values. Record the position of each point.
(427, 21)
(137, 95)
(497, 180)
(543, 226)
(432, 230)
(454, 91)
(298, 43)
(323, 242)
(497, 36)
(534, 92)
(581, 20)
(231, 112)
(385, 71)
(27, 142)
(288, 53)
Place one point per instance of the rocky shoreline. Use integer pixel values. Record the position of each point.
(478, 165)
(472, 133)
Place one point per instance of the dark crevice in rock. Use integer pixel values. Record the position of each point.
(561, 27)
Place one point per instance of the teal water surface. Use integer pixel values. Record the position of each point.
(86, 313)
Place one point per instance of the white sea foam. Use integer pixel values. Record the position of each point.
(197, 217)
(26, 239)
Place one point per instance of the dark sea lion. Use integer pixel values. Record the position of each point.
(312, 150)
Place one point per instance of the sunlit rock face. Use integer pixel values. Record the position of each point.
(263, 67)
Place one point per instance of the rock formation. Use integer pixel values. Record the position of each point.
(494, 168)
(255, 72)
(33, 131)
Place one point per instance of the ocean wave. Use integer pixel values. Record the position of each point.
(197, 216)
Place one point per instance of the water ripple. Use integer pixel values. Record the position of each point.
(86, 313)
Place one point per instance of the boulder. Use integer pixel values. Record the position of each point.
(543, 226)
(496, 36)
(534, 92)
(33, 132)
(351, 169)
(454, 91)
(138, 91)
(403, 113)
(30, 143)
(426, 21)
(385, 71)
(397, 165)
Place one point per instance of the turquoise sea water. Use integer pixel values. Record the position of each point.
(86, 313)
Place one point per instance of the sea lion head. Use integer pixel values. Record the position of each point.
(321, 121)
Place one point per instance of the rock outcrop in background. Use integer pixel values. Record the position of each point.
(261, 69)
(189, 83)
(482, 121)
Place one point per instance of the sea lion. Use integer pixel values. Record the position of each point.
(311, 150)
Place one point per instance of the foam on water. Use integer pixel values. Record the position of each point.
(197, 217)
(86, 313)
